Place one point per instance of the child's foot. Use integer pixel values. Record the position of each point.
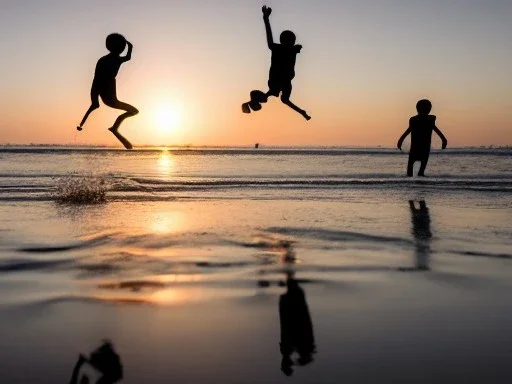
(121, 138)
(255, 106)
(79, 128)
(245, 108)
(259, 97)
(421, 175)
(306, 116)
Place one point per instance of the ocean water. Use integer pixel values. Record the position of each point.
(32, 173)
(377, 255)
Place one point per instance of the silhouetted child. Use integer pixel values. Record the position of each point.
(420, 128)
(103, 362)
(296, 327)
(420, 218)
(104, 83)
(282, 69)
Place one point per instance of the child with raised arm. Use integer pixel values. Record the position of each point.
(104, 83)
(420, 128)
(282, 69)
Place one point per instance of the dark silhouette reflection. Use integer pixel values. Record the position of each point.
(102, 367)
(420, 218)
(282, 69)
(296, 327)
(420, 128)
(104, 84)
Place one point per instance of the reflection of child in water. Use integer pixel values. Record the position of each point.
(104, 83)
(422, 235)
(105, 361)
(296, 327)
(282, 69)
(420, 128)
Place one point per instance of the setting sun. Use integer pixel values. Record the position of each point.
(167, 118)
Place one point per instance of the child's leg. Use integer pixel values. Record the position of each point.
(285, 98)
(130, 111)
(424, 162)
(95, 104)
(410, 166)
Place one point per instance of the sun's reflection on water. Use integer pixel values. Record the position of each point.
(165, 162)
(166, 223)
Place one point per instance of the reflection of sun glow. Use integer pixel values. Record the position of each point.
(170, 222)
(165, 162)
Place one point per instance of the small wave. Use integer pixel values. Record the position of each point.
(88, 243)
(330, 235)
(89, 189)
(62, 248)
(484, 254)
(134, 286)
(31, 265)
(92, 299)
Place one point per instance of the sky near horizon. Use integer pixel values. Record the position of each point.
(363, 67)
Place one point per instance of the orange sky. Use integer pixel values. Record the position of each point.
(362, 69)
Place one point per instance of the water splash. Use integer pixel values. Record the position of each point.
(81, 189)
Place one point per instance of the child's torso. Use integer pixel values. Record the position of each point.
(421, 131)
(107, 69)
(283, 61)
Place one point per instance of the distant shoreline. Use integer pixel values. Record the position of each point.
(242, 147)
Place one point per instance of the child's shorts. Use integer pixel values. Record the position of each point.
(276, 86)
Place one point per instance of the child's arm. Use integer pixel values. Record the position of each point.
(129, 53)
(445, 142)
(74, 376)
(402, 138)
(266, 15)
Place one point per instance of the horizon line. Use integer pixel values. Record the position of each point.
(244, 146)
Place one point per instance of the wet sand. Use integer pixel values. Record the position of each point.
(190, 291)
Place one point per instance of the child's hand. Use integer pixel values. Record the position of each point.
(445, 143)
(130, 45)
(298, 47)
(266, 11)
(399, 145)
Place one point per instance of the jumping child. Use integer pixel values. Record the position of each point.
(104, 83)
(282, 69)
(420, 128)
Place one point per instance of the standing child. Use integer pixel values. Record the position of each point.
(104, 84)
(420, 128)
(282, 69)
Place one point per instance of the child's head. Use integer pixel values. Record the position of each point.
(424, 107)
(115, 43)
(287, 38)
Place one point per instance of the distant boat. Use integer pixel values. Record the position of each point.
(256, 146)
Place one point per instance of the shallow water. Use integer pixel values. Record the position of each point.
(33, 173)
(215, 234)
